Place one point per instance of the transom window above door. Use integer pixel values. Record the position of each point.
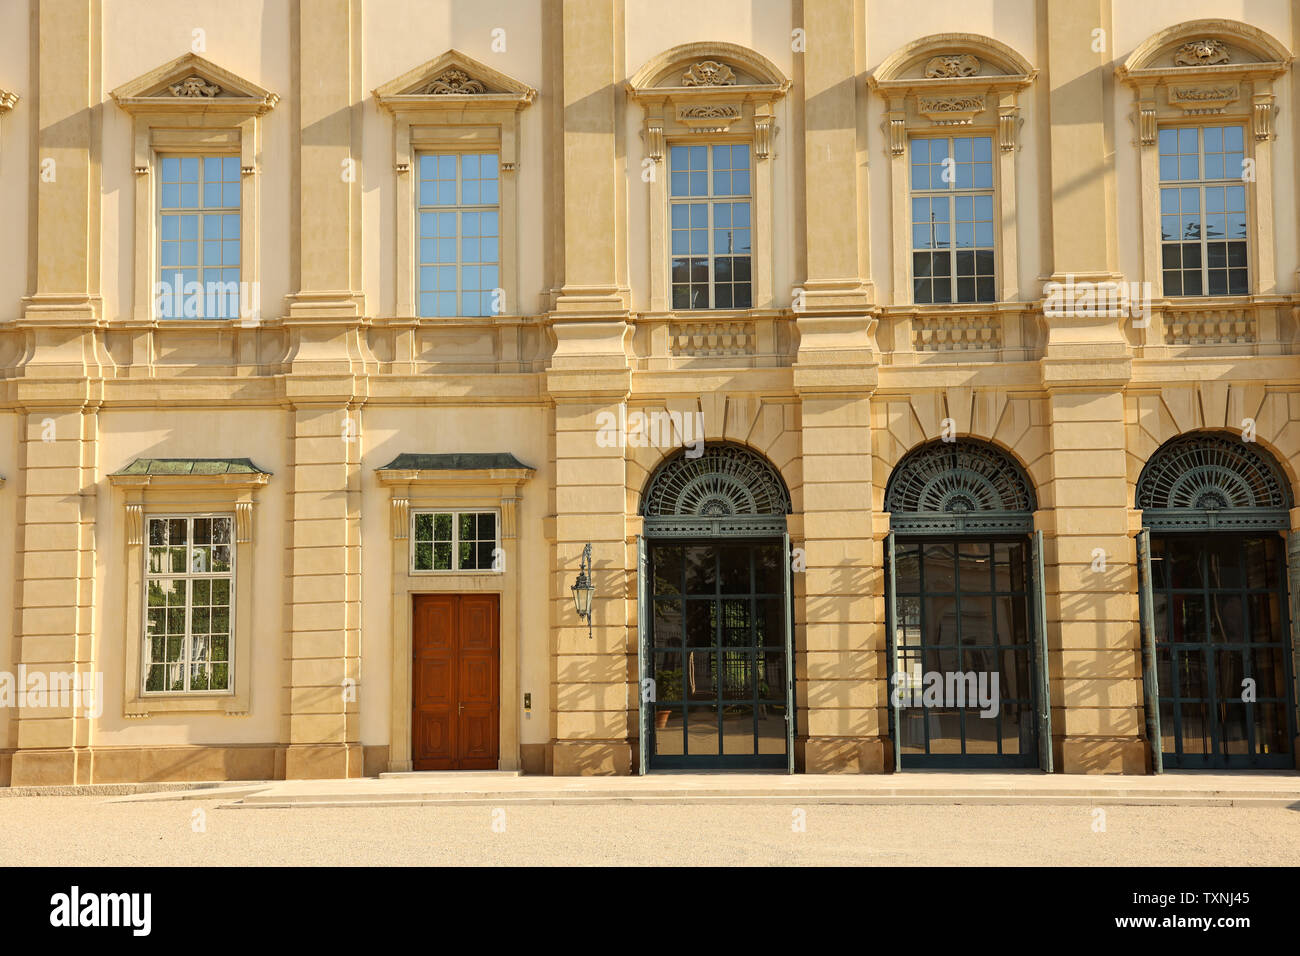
(455, 541)
(710, 221)
(459, 230)
(1203, 211)
(953, 251)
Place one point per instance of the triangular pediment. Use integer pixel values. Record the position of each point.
(453, 77)
(191, 81)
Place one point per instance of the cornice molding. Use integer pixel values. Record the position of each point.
(192, 83)
(453, 81)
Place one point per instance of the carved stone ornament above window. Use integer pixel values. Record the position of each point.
(708, 88)
(1209, 52)
(709, 73)
(455, 82)
(191, 82)
(194, 85)
(1200, 68)
(950, 110)
(952, 79)
(8, 100)
(952, 64)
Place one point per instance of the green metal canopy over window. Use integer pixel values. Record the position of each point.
(477, 461)
(192, 466)
(959, 487)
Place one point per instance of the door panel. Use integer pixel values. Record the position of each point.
(456, 706)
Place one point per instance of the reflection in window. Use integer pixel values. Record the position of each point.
(189, 580)
(952, 220)
(710, 226)
(1203, 210)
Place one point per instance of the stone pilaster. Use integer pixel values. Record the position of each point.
(55, 590)
(323, 574)
(835, 154)
(1093, 636)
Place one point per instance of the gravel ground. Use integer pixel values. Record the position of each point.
(89, 831)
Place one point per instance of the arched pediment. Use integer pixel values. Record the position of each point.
(702, 66)
(947, 58)
(1207, 45)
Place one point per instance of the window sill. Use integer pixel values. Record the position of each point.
(225, 705)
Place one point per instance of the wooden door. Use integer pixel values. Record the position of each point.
(455, 715)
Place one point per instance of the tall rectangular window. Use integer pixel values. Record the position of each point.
(198, 237)
(459, 229)
(710, 203)
(189, 584)
(1203, 211)
(952, 220)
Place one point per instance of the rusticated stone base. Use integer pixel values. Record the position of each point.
(1103, 755)
(846, 755)
(571, 758)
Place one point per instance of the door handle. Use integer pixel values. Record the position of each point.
(462, 708)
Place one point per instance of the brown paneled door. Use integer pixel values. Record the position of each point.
(456, 700)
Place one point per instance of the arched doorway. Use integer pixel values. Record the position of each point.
(1213, 577)
(965, 610)
(717, 687)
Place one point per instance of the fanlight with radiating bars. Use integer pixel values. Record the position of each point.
(1215, 481)
(725, 481)
(963, 485)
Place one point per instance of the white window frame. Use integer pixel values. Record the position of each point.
(952, 192)
(710, 201)
(161, 275)
(231, 576)
(458, 208)
(455, 539)
(1201, 184)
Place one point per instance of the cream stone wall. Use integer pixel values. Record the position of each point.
(834, 380)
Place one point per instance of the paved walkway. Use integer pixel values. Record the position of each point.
(914, 788)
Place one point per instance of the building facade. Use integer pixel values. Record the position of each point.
(892, 385)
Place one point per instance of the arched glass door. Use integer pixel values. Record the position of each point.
(1215, 605)
(715, 615)
(965, 611)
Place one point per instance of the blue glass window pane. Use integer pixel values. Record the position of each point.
(230, 253)
(962, 149)
(190, 169)
(984, 149)
(171, 169)
(447, 166)
(469, 192)
(984, 234)
(1187, 167)
(171, 196)
(1233, 138)
(212, 253)
(189, 195)
(488, 192)
(446, 303)
(230, 226)
(446, 250)
(189, 227)
(230, 195)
